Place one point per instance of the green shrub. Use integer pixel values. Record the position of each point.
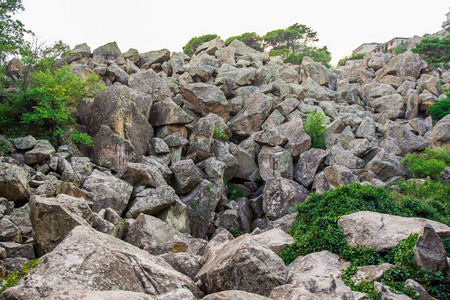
(193, 43)
(439, 109)
(4, 149)
(429, 163)
(344, 60)
(314, 127)
(400, 49)
(14, 277)
(220, 135)
(251, 39)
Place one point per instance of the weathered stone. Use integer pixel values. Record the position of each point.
(439, 136)
(241, 49)
(82, 49)
(249, 120)
(176, 216)
(287, 106)
(201, 203)
(340, 175)
(155, 236)
(109, 52)
(386, 165)
(307, 165)
(21, 217)
(429, 251)
(318, 72)
(360, 147)
(184, 262)
(382, 231)
(108, 191)
(406, 65)
(281, 196)
(235, 295)
(275, 162)
(376, 60)
(24, 143)
(143, 174)
(147, 59)
(9, 232)
(274, 119)
(215, 244)
(132, 55)
(319, 264)
(248, 169)
(366, 129)
(243, 264)
(370, 274)
(41, 152)
(152, 201)
(298, 140)
(53, 218)
(236, 77)
(392, 80)
(89, 260)
(415, 286)
(13, 182)
(210, 47)
(221, 153)
(207, 98)
(167, 112)
(385, 294)
(407, 141)
(431, 84)
(117, 74)
(18, 250)
(186, 176)
(270, 136)
(274, 239)
(149, 82)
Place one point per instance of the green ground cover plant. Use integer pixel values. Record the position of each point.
(429, 163)
(315, 228)
(14, 277)
(439, 109)
(314, 127)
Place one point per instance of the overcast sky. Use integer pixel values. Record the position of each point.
(152, 25)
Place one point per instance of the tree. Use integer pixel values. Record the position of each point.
(11, 31)
(251, 39)
(193, 43)
(290, 38)
(434, 50)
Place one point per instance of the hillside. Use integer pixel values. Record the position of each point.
(196, 168)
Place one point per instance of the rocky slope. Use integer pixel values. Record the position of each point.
(144, 213)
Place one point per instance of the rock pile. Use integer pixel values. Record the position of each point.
(169, 132)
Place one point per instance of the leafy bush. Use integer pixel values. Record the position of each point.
(433, 49)
(429, 163)
(14, 277)
(344, 60)
(220, 135)
(314, 127)
(440, 109)
(400, 48)
(193, 43)
(315, 227)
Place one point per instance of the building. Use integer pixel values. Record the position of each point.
(446, 24)
(390, 45)
(365, 48)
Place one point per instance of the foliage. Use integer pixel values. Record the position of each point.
(429, 163)
(11, 31)
(290, 37)
(48, 96)
(233, 191)
(220, 135)
(433, 49)
(321, 55)
(314, 127)
(4, 149)
(251, 39)
(193, 43)
(440, 109)
(14, 277)
(315, 229)
(354, 56)
(400, 48)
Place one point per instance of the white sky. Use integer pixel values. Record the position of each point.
(152, 25)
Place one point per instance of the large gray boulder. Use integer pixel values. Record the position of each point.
(149, 82)
(109, 52)
(13, 182)
(235, 295)
(429, 251)
(90, 260)
(243, 264)
(147, 59)
(275, 162)
(307, 165)
(382, 231)
(143, 174)
(167, 112)
(108, 191)
(298, 140)
(151, 201)
(281, 196)
(439, 136)
(386, 165)
(406, 65)
(42, 151)
(407, 141)
(319, 73)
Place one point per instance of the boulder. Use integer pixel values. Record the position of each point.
(90, 260)
(241, 49)
(147, 59)
(319, 73)
(167, 112)
(407, 141)
(207, 98)
(235, 295)
(429, 251)
(406, 65)
(42, 150)
(215, 244)
(138, 174)
(370, 274)
(274, 239)
(298, 141)
(339, 175)
(151, 201)
(221, 153)
(186, 176)
(117, 74)
(243, 264)
(53, 218)
(255, 110)
(248, 169)
(346, 158)
(236, 77)
(384, 293)
(108, 191)
(275, 162)
(386, 165)
(382, 231)
(24, 143)
(307, 165)
(9, 232)
(439, 136)
(109, 52)
(149, 82)
(281, 196)
(184, 262)
(13, 182)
